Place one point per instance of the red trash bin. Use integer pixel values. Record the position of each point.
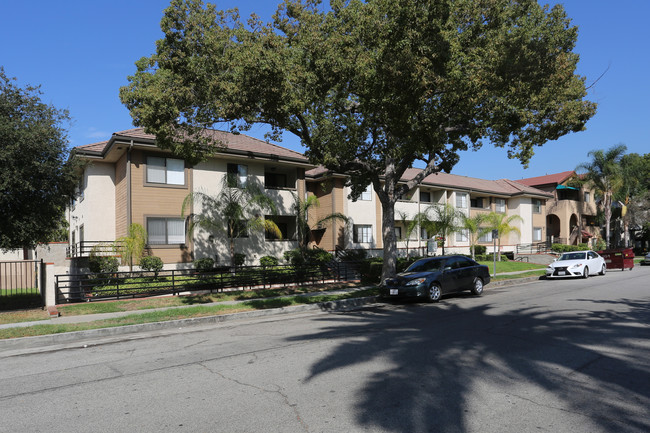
(620, 258)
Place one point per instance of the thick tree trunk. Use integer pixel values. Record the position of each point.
(390, 245)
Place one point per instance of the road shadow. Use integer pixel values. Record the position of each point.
(438, 352)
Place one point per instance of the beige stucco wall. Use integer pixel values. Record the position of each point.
(96, 211)
(208, 178)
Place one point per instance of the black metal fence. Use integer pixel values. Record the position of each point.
(19, 284)
(120, 285)
(84, 248)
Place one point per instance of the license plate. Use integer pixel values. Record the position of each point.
(394, 291)
(561, 273)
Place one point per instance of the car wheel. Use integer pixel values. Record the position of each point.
(603, 270)
(477, 288)
(434, 293)
(585, 273)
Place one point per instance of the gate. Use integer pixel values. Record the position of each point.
(21, 285)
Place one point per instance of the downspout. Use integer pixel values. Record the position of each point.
(129, 217)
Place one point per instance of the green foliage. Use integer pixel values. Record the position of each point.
(443, 220)
(369, 87)
(233, 212)
(301, 209)
(103, 265)
(151, 264)
(269, 261)
(600, 245)
(132, 246)
(37, 179)
(563, 248)
(480, 249)
(355, 254)
(205, 264)
(239, 259)
(299, 256)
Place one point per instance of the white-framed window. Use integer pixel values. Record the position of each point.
(587, 197)
(362, 233)
(537, 206)
(168, 171)
(500, 205)
(487, 237)
(398, 233)
(165, 231)
(237, 175)
(461, 200)
(367, 194)
(537, 233)
(462, 236)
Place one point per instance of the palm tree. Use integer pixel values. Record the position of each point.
(473, 225)
(302, 209)
(233, 211)
(443, 221)
(133, 245)
(410, 225)
(502, 224)
(603, 172)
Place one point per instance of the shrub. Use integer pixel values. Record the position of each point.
(268, 261)
(479, 250)
(299, 257)
(240, 259)
(102, 265)
(370, 270)
(152, 264)
(205, 264)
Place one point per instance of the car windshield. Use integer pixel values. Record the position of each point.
(425, 266)
(573, 256)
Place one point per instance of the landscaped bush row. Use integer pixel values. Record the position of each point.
(562, 248)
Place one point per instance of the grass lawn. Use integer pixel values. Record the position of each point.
(512, 266)
(174, 314)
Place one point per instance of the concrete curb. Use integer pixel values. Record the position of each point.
(75, 336)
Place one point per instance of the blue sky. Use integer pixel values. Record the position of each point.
(81, 52)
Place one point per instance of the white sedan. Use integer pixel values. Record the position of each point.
(577, 264)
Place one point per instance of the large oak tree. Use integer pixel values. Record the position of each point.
(370, 86)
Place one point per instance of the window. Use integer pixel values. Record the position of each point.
(537, 233)
(424, 234)
(537, 206)
(587, 197)
(461, 201)
(237, 175)
(275, 180)
(284, 231)
(477, 202)
(500, 205)
(367, 194)
(425, 197)
(166, 231)
(398, 233)
(167, 171)
(362, 234)
(462, 235)
(239, 228)
(487, 237)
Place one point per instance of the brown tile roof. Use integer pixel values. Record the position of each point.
(556, 178)
(93, 147)
(502, 186)
(233, 142)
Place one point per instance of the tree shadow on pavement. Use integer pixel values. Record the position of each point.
(435, 360)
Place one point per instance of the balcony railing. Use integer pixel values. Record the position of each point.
(84, 248)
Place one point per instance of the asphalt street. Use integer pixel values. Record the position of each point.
(546, 356)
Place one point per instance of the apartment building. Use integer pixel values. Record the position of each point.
(468, 195)
(570, 210)
(128, 179)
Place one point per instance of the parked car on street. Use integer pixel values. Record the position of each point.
(577, 264)
(646, 260)
(433, 277)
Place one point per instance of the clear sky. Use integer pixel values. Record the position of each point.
(81, 52)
